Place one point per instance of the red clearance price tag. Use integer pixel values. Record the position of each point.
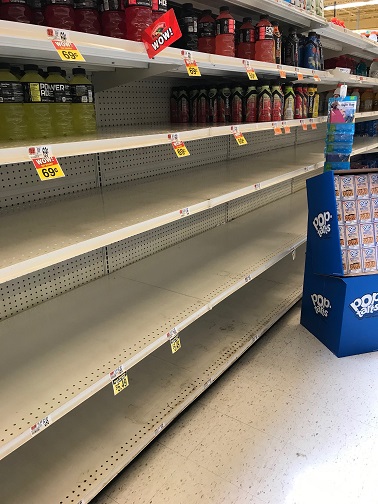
(277, 130)
(313, 126)
(287, 129)
(282, 72)
(192, 68)
(304, 126)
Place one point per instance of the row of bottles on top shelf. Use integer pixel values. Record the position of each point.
(37, 104)
(263, 42)
(235, 104)
(204, 31)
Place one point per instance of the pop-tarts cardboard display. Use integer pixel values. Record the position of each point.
(340, 293)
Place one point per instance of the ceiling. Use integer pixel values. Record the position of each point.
(357, 18)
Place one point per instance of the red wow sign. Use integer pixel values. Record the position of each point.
(161, 34)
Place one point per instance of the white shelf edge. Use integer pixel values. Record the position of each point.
(58, 413)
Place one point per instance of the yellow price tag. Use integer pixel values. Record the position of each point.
(120, 383)
(175, 344)
(252, 75)
(67, 51)
(48, 168)
(180, 149)
(239, 137)
(192, 68)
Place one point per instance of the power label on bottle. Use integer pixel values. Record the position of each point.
(66, 49)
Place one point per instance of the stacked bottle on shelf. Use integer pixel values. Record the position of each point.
(36, 104)
(263, 102)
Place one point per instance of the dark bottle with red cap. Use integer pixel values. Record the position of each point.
(189, 28)
(59, 14)
(37, 14)
(206, 32)
(87, 16)
(159, 7)
(138, 16)
(112, 18)
(246, 40)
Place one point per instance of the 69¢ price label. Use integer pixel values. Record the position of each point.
(48, 168)
(67, 51)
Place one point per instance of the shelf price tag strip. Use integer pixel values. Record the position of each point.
(239, 137)
(277, 129)
(39, 426)
(191, 65)
(47, 165)
(304, 125)
(299, 74)
(313, 124)
(119, 380)
(174, 340)
(66, 49)
(286, 128)
(250, 71)
(178, 145)
(282, 72)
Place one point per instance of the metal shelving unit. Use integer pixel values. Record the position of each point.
(99, 268)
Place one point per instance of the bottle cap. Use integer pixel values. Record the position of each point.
(207, 11)
(4, 66)
(30, 67)
(247, 20)
(264, 16)
(224, 9)
(53, 69)
(78, 71)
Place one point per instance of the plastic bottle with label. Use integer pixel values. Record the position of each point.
(250, 105)
(59, 14)
(159, 7)
(301, 46)
(12, 124)
(87, 16)
(277, 42)
(213, 104)
(138, 16)
(277, 102)
(375, 102)
(320, 60)
(237, 104)
(188, 26)
(291, 49)
(37, 98)
(224, 105)
(173, 101)
(311, 52)
(225, 33)
(206, 32)
(264, 46)
(112, 18)
(298, 102)
(83, 109)
(305, 102)
(203, 106)
(246, 40)
(193, 104)
(361, 69)
(367, 99)
(357, 94)
(313, 101)
(183, 115)
(61, 104)
(15, 10)
(289, 102)
(37, 13)
(264, 104)
(373, 71)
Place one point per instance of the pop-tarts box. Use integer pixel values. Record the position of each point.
(361, 183)
(373, 182)
(364, 210)
(369, 259)
(339, 209)
(354, 261)
(374, 208)
(342, 236)
(349, 211)
(376, 232)
(344, 259)
(367, 234)
(352, 236)
(347, 187)
(337, 186)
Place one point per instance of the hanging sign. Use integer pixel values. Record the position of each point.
(161, 34)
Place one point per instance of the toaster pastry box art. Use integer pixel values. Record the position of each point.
(343, 223)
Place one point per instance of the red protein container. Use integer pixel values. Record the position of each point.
(250, 104)
(112, 18)
(159, 7)
(59, 14)
(138, 16)
(237, 104)
(298, 102)
(37, 14)
(264, 104)
(174, 104)
(183, 115)
(15, 10)
(225, 37)
(206, 32)
(87, 16)
(265, 46)
(203, 106)
(224, 105)
(213, 104)
(246, 40)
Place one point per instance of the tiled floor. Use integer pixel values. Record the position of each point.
(288, 424)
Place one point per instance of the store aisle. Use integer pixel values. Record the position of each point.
(289, 423)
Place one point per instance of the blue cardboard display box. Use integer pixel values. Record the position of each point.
(341, 311)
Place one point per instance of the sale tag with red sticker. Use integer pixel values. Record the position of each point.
(299, 74)
(277, 129)
(239, 137)
(64, 47)
(191, 65)
(47, 165)
(178, 145)
(304, 125)
(250, 71)
(282, 72)
(161, 34)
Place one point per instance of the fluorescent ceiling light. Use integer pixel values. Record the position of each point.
(351, 5)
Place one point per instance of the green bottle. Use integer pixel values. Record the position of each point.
(61, 105)
(12, 122)
(83, 110)
(37, 97)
